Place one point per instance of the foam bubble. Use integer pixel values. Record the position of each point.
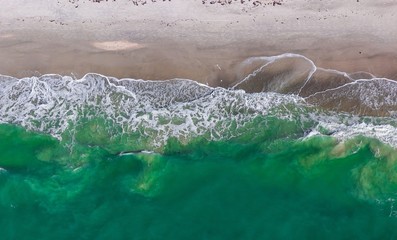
(286, 73)
(158, 109)
(182, 108)
(376, 96)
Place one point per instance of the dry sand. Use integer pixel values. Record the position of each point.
(189, 39)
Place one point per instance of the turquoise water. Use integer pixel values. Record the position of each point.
(235, 189)
(103, 158)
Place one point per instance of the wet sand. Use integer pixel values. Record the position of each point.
(188, 39)
(166, 59)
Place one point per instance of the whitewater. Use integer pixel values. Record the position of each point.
(289, 149)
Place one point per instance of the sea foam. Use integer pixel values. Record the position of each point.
(288, 87)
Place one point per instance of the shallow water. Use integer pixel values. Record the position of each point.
(101, 158)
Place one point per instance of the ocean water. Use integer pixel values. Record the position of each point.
(289, 151)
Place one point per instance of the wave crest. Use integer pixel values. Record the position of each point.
(286, 87)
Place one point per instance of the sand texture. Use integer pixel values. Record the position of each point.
(195, 39)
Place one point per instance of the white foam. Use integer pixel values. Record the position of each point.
(375, 93)
(266, 61)
(159, 109)
(179, 108)
(385, 133)
(345, 126)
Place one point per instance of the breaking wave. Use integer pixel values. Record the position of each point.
(289, 150)
(287, 86)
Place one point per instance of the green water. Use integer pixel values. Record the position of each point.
(264, 184)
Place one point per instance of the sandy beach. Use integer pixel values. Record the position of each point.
(198, 119)
(199, 40)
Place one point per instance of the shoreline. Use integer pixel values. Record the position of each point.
(187, 39)
(170, 59)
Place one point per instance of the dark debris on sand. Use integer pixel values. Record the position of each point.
(135, 2)
(255, 3)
